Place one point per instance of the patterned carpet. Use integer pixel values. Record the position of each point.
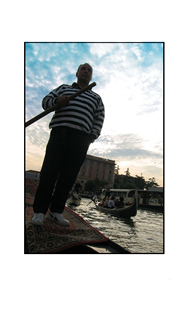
(51, 237)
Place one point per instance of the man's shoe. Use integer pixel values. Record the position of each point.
(38, 219)
(58, 218)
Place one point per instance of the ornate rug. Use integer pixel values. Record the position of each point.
(51, 237)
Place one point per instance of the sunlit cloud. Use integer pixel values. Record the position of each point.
(129, 78)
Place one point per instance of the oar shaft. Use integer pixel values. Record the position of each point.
(44, 113)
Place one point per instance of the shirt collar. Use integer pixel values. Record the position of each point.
(75, 85)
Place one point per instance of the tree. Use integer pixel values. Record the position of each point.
(116, 169)
(140, 182)
(89, 185)
(127, 185)
(151, 183)
(95, 186)
(127, 173)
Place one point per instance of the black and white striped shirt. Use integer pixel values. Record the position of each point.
(85, 112)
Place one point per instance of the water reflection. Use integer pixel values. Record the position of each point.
(140, 234)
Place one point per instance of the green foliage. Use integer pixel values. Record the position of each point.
(126, 182)
(89, 185)
(127, 173)
(116, 169)
(140, 182)
(94, 186)
(137, 182)
(151, 183)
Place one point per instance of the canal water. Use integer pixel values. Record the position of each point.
(140, 234)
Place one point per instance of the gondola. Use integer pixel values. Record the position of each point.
(74, 199)
(126, 212)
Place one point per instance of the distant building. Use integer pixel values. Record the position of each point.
(96, 168)
(92, 168)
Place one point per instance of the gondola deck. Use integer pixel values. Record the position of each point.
(79, 237)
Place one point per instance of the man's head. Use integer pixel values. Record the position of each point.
(84, 73)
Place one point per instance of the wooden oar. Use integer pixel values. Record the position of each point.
(44, 113)
(93, 199)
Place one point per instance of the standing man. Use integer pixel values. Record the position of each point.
(77, 187)
(107, 187)
(75, 124)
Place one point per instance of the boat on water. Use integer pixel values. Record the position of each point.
(125, 212)
(151, 198)
(74, 199)
(86, 194)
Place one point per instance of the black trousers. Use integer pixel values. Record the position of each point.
(65, 153)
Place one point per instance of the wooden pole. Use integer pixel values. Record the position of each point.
(44, 113)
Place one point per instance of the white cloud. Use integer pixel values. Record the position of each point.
(129, 151)
(101, 49)
(132, 94)
(137, 51)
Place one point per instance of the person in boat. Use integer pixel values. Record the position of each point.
(115, 201)
(75, 124)
(106, 202)
(107, 187)
(78, 187)
(103, 201)
(111, 203)
(120, 203)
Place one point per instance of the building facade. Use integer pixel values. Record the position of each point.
(92, 168)
(96, 168)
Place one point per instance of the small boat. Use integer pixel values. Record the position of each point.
(151, 199)
(125, 212)
(147, 199)
(74, 199)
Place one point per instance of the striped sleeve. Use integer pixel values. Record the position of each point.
(98, 119)
(50, 99)
(85, 112)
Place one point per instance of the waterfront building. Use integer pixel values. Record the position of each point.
(96, 168)
(92, 168)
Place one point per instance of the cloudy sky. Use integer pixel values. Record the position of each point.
(129, 78)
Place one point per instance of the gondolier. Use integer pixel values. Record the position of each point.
(75, 124)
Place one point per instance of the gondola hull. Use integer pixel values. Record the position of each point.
(74, 199)
(126, 212)
(104, 247)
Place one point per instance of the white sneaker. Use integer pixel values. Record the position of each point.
(58, 218)
(38, 219)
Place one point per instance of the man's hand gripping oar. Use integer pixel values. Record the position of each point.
(44, 113)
